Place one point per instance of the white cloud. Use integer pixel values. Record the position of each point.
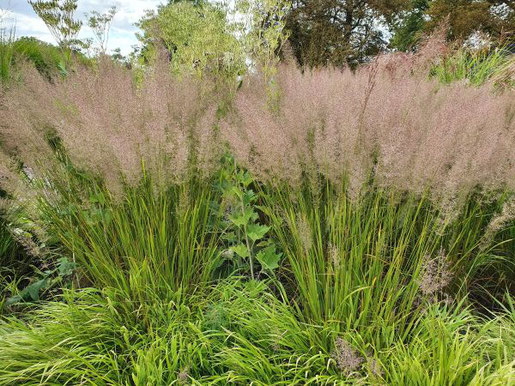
(25, 25)
(123, 30)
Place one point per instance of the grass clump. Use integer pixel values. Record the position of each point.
(150, 241)
(357, 228)
(240, 333)
(477, 67)
(47, 59)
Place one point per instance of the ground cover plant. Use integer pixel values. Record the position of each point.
(350, 227)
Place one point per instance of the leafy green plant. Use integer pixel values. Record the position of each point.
(46, 280)
(262, 29)
(197, 39)
(16, 265)
(245, 236)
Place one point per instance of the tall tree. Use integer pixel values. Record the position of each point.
(261, 30)
(408, 25)
(196, 37)
(58, 15)
(339, 32)
(493, 18)
(100, 24)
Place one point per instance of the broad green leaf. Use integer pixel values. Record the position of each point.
(230, 237)
(97, 198)
(13, 300)
(31, 292)
(256, 232)
(241, 250)
(241, 219)
(249, 197)
(254, 216)
(236, 191)
(246, 179)
(268, 258)
(66, 267)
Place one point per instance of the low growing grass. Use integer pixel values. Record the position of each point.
(241, 333)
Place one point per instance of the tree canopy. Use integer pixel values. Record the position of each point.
(196, 37)
(339, 32)
(495, 19)
(349, 32)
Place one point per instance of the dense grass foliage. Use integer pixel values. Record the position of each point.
(374, 263)
(477, 67)
(151, 242)
(47, 59)
(13, 262)
(333, 227)
(240, 333)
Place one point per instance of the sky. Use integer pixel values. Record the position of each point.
(20, 14)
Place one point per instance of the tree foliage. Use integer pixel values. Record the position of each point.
(196, 37)
(349, 32)
(408, 25)
(262, 29)
(494, 19)
(339, 32)
(58, 15)
(100, 24)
